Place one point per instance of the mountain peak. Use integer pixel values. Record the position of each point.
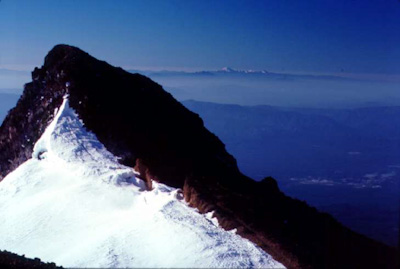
(147, 130)
(246, 71)
(129, 113)
(61, 53)
(228, 69)
(62, 50)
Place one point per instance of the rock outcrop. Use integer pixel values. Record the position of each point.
(10, 260)
(148, 129)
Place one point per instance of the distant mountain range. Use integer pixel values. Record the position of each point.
(335, 159)
(354, 136)
(228, 71)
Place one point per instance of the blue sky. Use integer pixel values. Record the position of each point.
(278, 35)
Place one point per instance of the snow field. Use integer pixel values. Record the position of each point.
(75, 205)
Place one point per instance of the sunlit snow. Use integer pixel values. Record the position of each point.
(75, 205)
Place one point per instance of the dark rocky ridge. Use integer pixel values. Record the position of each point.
(144, 125)
(11, 260)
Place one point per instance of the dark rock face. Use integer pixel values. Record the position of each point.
(25, 123)
(11, 260)
(145, 126)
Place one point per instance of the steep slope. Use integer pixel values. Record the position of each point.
(310, 153)
(74, 204)
(136, 120)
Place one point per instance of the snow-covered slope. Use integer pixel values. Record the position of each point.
(75, 205)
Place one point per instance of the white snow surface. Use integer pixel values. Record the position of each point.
(75, 205)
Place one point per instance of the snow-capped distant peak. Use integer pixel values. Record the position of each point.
(75, 205)
(228, 70)
(247, 71)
